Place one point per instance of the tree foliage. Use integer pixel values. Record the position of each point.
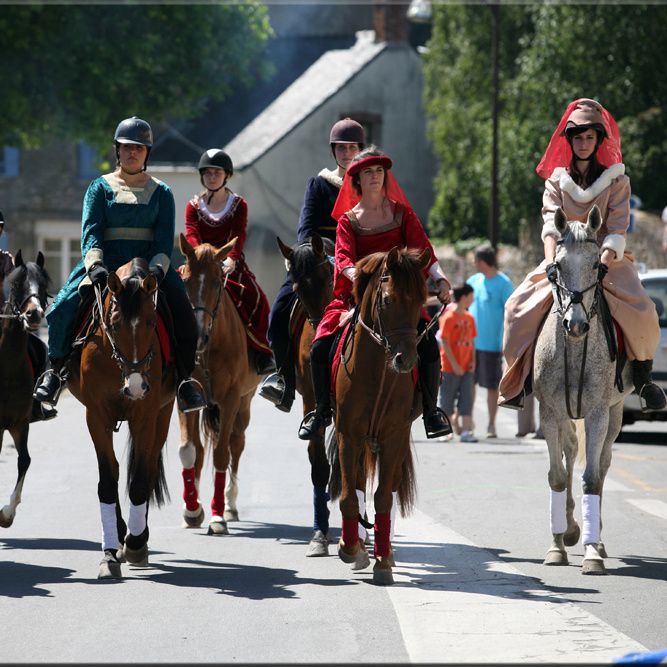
(73, 71)
(550, 54)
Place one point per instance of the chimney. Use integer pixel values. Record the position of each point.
(390, 21)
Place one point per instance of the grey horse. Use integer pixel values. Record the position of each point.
(574, 378)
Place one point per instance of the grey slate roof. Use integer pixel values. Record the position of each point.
(317, 84)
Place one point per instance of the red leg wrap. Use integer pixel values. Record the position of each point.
(218, 500)
(190, 490)
(350, 531)
(382, 530)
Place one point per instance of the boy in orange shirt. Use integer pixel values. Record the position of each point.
(457, 357)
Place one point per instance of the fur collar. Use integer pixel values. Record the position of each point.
(331, 177)
(597, 187)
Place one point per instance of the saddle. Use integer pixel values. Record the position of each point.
(85, 323)
(615, 344)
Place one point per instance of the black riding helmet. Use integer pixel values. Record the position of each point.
(346, 131)
(134, 131)
(215, 158)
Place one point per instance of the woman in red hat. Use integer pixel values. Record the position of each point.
(373, 216)
(583, 167)
(216, 216)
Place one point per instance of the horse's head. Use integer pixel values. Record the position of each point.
(312, 273)
(27, 285)
(391, 289)
(203, 276)
(577, 262)
(130, 315)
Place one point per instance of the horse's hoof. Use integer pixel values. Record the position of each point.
(602, 551)
(6, 520)
(231, 515)
(110, 566)
(137, 557)
(382, 575)
(357, 560)
(318, 545)
(593, 566)
(193, 520)
(556, 557)
(217, 526)
(571, 536)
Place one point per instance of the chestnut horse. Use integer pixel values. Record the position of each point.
(23, 312)
(121, 376)
(229, 380)
(312, 277)
(376, 399)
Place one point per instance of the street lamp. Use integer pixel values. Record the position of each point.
(419, 11)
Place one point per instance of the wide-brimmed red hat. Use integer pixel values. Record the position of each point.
(369, 161)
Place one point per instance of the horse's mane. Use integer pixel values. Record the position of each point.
(304, 264)
(406, 274)
(577, 233)
(130, 299)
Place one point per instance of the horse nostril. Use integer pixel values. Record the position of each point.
(585, 327)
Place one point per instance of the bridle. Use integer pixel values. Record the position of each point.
(576, 297)
(126, 366)
(17, 310)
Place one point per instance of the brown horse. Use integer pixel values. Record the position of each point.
(123, 337)
(229, 379)
(312, 276)
(376, 399)
(23, 312)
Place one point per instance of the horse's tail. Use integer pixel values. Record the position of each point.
(407, 488)
(159, 493)
(210, 424)
(335, 481)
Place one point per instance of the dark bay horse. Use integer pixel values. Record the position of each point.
(575, 378)
(229, 380)
(23, 312)
(376, 399)
(312, 277)
(122, 376)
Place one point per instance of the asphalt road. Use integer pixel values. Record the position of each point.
(470, 586)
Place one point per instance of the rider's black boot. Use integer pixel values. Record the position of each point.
(279, 387)
(651, 396)
(41, 412)
(436, 423)
(50, 383)
(189, 396)
(320, 417)
(264, 363)
(516, 402)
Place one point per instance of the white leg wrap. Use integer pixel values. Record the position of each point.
(557, 510)
(590, 512)
(232, 490)
(109, 526)
(394, 506)
(361, 497)
(188, 454)
(137, 520)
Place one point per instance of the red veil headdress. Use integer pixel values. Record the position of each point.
(559, 153)
(348, 197)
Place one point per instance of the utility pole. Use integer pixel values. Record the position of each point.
(493, 211)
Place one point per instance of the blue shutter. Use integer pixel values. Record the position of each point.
(11, 162)
(86, 161)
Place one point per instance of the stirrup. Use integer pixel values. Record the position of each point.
(273, 388)
(200, 401)
(313, 422)
(49, 401)
(435, 430)
(645, 406)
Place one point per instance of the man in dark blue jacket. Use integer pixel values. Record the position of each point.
(346, 139)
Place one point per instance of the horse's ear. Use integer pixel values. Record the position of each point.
(225, 250)
(40, 259)
(285, 250)
(185, 246)
(149, 283)
(424, 258)
(560, 220)
(114, 284)
(392, 257)
(18, 260)
(594, 221)
(318, 245)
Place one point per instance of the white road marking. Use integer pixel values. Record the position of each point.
(456, 602)
(656, 507)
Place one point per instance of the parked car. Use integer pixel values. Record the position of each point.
(655, 282)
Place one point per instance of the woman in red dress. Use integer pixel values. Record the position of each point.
(373, 216)
(216, 216)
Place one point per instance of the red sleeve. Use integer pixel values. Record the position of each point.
(239, 228)
(192, 225)
(345, 254)
(415, 236)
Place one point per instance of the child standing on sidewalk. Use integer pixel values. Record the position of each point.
(457, 356)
